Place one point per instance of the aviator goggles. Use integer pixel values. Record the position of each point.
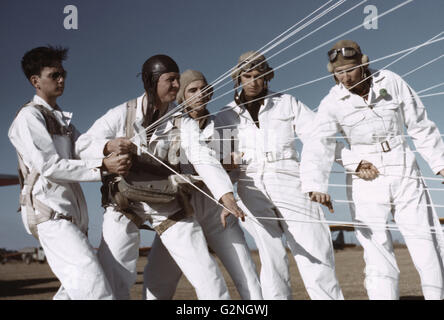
(346, 52)
(57, 75)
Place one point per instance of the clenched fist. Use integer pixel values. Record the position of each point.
(367, 171)
(322, 198)
(119, 146)
(117, 164)
(230, 203)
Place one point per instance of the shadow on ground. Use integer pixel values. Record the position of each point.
(12, 288)
(411, 298)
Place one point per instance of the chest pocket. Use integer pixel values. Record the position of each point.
(389, 114)
(352, 119)
(281, 129)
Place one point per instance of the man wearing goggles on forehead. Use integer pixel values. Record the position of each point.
(371, 109)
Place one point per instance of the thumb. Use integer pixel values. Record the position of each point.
(330, 206)
(223, 218)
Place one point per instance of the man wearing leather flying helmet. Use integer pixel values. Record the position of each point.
(265, 125)
(371, 109)
(148, 191)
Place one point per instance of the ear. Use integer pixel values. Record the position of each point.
(364, 59)
(35, 80)
(336, 79)
(330, 67)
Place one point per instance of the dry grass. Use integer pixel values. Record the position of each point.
(19, 281)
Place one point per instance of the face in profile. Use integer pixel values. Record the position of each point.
(168, 86)
(51, 81)
(197, 95)
(252, 83)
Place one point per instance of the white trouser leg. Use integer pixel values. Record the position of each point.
(161, 274)
(310, 241)
(119, 251)
(229, 245)
(62, 294)
(267, 234)
(312, 248)
(73, 261)
(186, 244)
(372, 207)
(414, 220)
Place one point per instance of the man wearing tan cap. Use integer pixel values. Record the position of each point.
(161, 274)
(372, 109)
(266, 125)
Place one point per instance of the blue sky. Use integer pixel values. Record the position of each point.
(114, 38)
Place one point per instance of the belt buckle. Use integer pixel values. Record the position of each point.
(269, 156)
(385, 146)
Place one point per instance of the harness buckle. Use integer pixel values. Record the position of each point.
(385, 146)
(270, 156)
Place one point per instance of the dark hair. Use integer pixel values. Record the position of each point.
(38, 58)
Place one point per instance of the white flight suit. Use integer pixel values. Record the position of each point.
(374, 129)
(161, 274)
(66, 246)
(185, 240)
(269, 187)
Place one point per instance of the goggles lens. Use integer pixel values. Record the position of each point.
(57, 75)
(346, 52)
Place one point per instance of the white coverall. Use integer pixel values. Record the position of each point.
(161, 274)
(269, 186)
(185, 241)
(66, 246)
(399, 189)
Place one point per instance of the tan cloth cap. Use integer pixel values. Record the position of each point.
(249, 61)
(186, 78)
(341, 60)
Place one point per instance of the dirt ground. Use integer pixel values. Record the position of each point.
(19, 281)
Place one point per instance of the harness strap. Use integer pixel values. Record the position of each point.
(131, 107)
(32, 205)
(36, 211)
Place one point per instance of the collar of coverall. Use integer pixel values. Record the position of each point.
(66, 115)
(342, 93)
(168, 124)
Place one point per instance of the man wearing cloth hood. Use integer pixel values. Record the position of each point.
(371, 109)
(264, 126)
(179, 232)
(227, 241)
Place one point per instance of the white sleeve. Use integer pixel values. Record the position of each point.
(91, 144)
(204, 159)
(424, 133)
(30, 137)
(318, 153)
(303, 119)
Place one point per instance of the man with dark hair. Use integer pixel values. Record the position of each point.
(371, 109)
(53, 207)
(170, 213)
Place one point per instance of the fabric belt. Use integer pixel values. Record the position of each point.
(275, 155)
(384, 146)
